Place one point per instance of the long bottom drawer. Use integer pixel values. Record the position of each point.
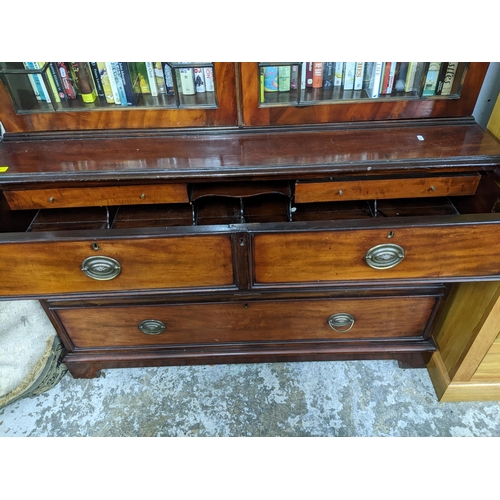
(388, 317)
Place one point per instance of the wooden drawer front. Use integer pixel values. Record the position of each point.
(310, 192)
(168, 262)
(97, 196)
(429, 252)
(386, 317)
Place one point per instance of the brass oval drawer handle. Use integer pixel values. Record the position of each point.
(341, 322)
(99, 267)
(384, 256)
(152, 326)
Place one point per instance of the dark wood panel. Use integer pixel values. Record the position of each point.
(325, 256)
(54, 267)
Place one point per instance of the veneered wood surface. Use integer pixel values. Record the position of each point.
(250, 155)
(309, 192)
(54, 267)
(390, 317)
(430, 252)
(130, 117)
(97, 196)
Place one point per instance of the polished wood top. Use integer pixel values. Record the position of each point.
(250, 154)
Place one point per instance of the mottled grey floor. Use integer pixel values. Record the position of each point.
(354, 398)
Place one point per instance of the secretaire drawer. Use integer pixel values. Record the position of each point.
(253, 321)
(389, 251)
(69, 265)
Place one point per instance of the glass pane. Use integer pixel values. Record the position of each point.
(36, 87)
(306, 83)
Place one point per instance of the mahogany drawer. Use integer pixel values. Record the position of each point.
(437, 251)
(385, 188)
(96, 196)
(45, 265)
(387, 317)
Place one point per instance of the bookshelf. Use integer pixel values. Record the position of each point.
(192, 230)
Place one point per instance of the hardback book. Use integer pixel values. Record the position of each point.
(199, 79)
(82, 75)
(271, 78)
(112, 81)
(97, 79)
(38, 81)
(188, 86)
(328, 74)
(122, 97)
(317, 75)
(169, 79)
(55, 80)
(440, 78)
(151, 78)
(449, 78)
(66, 80)
(160, 79)
(209, 78)
(142, 78)
(294, 77)
(373, 90)
(349, 75)
(339, 71)
(359, 75)
(284, 75)
(309, 74)
(431, 79)
(106, 84)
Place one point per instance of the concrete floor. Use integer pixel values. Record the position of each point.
(354, 398)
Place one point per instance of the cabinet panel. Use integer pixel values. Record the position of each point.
(216, 323)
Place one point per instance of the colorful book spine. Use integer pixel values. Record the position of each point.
(440, 80)
(374, 89)
(112, 81)
(431, 79)
(359, 75)
(284, 78)
(317, 75)
(151, 78)
(160, 79)
(199, 80)
(309, 74)
(339, 71)
(294, 77)
(82, 75)
(349, 75)
(106, 84)
(97, 79)
(271, 78)
(38, 80)
(169, 79)
(388, 82)
(188, 86)
(449, 78)
(128, 84)
(67, 82)
(122, 97)
(142, 78)
(410, 76)
(303, 76)
(262, 72)
(59, 89)
(209, 79)
(328, 74)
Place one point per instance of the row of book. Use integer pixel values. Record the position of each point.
(375, 78)
(120, 83)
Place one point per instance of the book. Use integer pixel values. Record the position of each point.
(339, 71)
(271, 78)
(97, 79)
(449, 78)
(294, 77)
(130, 84)
(284, 74)
(410, 76)
(309, 74)
(56, 79)
(38, 81)
(359, 75)
(373, 89)
(199, 79)
(388, 79)
(303, 77)
(440, 78)
(112, 81)
(349, 75)
(209, 79)
(151, 78)
(188, 86)
(431, 79)
(328, 74)
(82, 76)
(367, 77)
(317, 75)
(66, 80)
(169, 79)
(106, 84)
(120, 87)
(142, 78)
(400, 76)
(160, 79)
(262, 72)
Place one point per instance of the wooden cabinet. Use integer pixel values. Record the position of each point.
(248, 234)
